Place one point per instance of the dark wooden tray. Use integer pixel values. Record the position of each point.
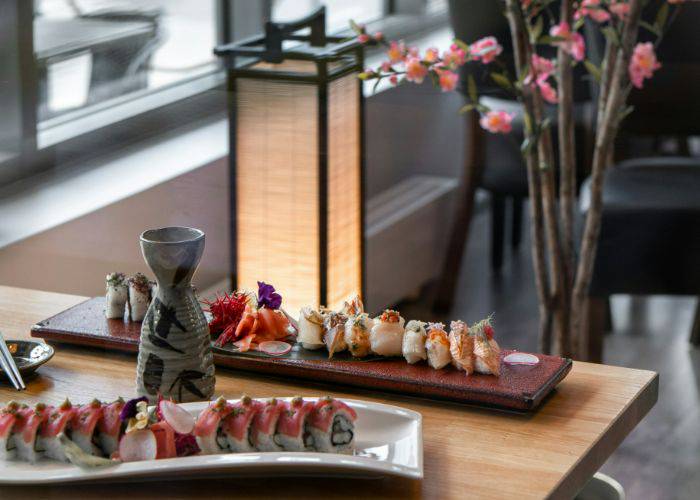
(518, 388)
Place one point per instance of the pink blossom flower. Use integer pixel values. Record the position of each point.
(497, 122)
(363, 38)
(386, 66)
(448, 80)
(396, 52)
(592, 9)
(415, 70)
(431, 55)
(573, 42)
(540, 71)
(548, 92)
(485, 49)
(379, 36)
(621, 8)
(394, 80)
(454, 56)
(643, 64)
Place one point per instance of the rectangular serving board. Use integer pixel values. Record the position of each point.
(520, 388)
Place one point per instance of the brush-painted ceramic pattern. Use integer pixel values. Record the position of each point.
(175, 358)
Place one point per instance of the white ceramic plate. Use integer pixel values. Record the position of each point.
(388, 439)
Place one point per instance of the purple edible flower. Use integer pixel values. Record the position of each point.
(268, 297)
(129, 409)
(186, 445)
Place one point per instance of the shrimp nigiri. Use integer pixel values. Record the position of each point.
(462, 347)
(437, 346)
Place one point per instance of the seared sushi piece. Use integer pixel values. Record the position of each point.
(110, 427)
(332, 426)
(238, 425)
(59, 421)
(461, 347)
(386, 337)
(26, 429)
(437, 346)
(265, 426)
(334, 332)
(208, 430)
(487, 352)
(357, 330)
(310, 328)
(413, 347)
(354, 307)
(84, 427)
(293, 432)
(8, 418)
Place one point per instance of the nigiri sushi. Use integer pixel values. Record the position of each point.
(334, 332)
(437, 346)
(357, 330)
(59, 422)
(487, 352)
(386, 337)
(413, 346)
(26, 429)
(265, 426)
(84, 427)
(237, 425)
(462, 347)
(293, 432)
(332, 426)
(354, 307)
(208, 429)
(310, 328)
(8, 419)
(110, 427)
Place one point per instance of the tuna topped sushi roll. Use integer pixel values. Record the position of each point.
(386, 337)
(84, 427)
(208, 430)
(293, 432)
(265, 426)
(59, 421)
(357, 330)
(437, 346)
(332, 426)
(8, 418)
(462, 347)
(110, 427)
(237, 426)
(26, 429)
(413, 347)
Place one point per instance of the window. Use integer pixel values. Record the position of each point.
(338, 12)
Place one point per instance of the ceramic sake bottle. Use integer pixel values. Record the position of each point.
(175, 358)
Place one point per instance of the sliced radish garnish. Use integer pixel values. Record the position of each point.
(521, 358)
(138, 445)
(179, 419)
(274, 347)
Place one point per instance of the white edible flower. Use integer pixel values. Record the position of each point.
(140, 421)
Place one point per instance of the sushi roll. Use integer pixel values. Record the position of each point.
(386, 336)
(84, 427)
(208, 429)
(461, 347)
(117, 295)
(26, 430)
(264, 426)
(413, 347)
(332, 426)
(238, 425)
(110, 427)
(293, 432)
(59, 422)
(310, 328)
(139, 296)
(357, 330)
(487, 352)
(334, 332)
(437, 346)
(8, 419)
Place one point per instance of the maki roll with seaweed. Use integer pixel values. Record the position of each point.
(117, 295)
(293, 432)
(238, 424)
(8, 419)
(84, 427)
(26, 430)
(110, 427)
(59, 422)
(208, 429)
(332, 426)
(264, 426)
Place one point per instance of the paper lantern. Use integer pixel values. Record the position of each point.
(296, 163)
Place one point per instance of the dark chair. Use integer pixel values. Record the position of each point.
(650, 235)
(493, 161)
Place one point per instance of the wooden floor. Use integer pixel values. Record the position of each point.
(661, 458)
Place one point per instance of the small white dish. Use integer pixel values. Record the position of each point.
(388, 441)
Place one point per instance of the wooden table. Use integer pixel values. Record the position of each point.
(469, 452)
